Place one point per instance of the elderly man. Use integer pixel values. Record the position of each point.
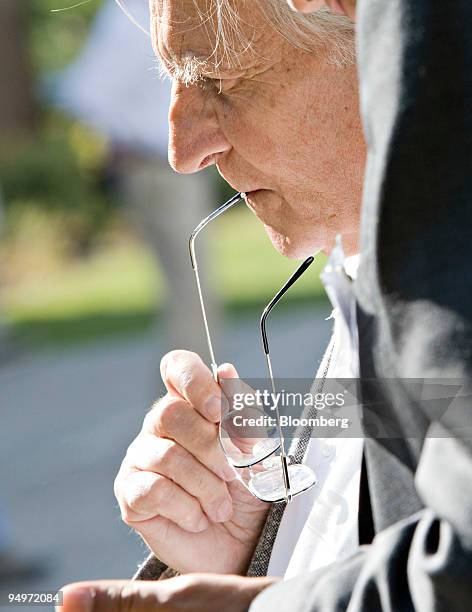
(420, 561)
(234, 76)
(229, 98)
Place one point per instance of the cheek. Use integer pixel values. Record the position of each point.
(257, 128)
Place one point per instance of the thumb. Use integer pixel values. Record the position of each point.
(237, 438)
(227, 370)
(230, 382)
(114, 595)
(231, 385)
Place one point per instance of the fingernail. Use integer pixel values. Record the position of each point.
(227, 370)
(212, 408)
(225, 511)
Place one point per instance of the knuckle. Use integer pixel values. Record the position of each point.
(169, 415)
(162, 414)
(128, 516)
(131, 508)
(138, 495)
(164, 492)
(170, 455)
(150, 417)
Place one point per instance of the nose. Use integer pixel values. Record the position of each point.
(195, 138)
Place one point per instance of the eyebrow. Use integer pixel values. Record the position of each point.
(192, 68)
(187, 70)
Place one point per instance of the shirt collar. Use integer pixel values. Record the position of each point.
(351, 265)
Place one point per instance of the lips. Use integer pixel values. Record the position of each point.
(336, 7)
(249, 199)
(262, 203)
(235, 183)
(252, 193)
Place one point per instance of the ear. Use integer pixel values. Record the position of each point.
(305, 6)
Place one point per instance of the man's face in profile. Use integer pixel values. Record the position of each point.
(281, 124)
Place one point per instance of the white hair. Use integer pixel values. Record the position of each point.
(307, 32)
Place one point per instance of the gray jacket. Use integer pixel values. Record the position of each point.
(414, 316)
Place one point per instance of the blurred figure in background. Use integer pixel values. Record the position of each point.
(17, 109)
(4, 334)
(113, 87)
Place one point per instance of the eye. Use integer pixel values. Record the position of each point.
(218, 86)
(207, 84)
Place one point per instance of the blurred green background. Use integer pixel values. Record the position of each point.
(71, 267)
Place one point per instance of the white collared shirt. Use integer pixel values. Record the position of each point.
(320, 526)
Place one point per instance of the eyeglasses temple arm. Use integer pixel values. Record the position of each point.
(295, 276)
(292, 280)
(193, 260)
(213, 215)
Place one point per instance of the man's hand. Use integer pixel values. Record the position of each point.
(193, 592)
(175, 486)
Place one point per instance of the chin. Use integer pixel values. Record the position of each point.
(293, 248)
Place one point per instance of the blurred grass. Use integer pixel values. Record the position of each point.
(118, 289)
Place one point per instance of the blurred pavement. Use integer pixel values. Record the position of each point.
(66, 421)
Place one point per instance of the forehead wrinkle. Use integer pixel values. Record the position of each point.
(227, 36)
(170, 40)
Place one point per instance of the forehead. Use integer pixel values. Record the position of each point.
(206, 35)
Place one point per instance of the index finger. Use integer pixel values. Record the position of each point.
(114, 596)
(184, 374)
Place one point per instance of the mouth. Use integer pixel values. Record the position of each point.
(247, 189)
(336, 7)
(249, 198)
(265, 204)
(252, 193)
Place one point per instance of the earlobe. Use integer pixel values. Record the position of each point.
(305, 6)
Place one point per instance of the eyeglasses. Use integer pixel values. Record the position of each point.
(269, 477)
